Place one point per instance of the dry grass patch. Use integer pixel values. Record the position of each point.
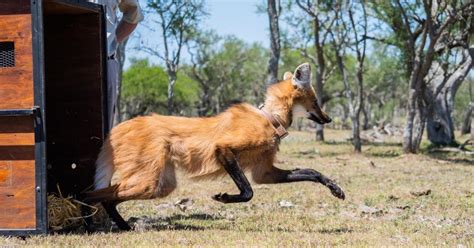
(392, 199)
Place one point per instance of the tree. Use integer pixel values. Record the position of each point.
(472, 127)
(466, 123)
(273, 10)
(420, 31)
(175, 20)
(227, 70)
(322, 22)
(203, 48)
(384, 79)
(440, 94)
(144, 91)
(342, 41)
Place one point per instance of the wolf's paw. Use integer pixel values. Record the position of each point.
(336, 191)
(221, 197)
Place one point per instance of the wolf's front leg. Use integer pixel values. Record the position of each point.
(230, 164)
(312, 175)
(276, 175)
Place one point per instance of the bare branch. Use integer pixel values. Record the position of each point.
(405, 18)
(382, 40)
(305, 54)
(307, 8)
(329, 72)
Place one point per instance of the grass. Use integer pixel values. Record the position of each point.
(392, 200)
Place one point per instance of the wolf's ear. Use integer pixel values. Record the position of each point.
(302, 76)
(287, 75)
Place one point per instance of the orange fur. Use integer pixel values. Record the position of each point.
(139, 158)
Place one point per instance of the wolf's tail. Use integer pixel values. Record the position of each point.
(100, 195)
(103, 171)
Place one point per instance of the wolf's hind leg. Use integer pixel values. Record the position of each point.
(230, 164)
(111, 209)
(88, 221)
(167, 181)
(273, 174)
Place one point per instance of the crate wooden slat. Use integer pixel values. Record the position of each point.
(17, 173)
(52, 105)
(16, 83)
(17, 142)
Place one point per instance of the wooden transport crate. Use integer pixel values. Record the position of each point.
(52, 105)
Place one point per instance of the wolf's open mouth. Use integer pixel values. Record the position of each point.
(317, 119)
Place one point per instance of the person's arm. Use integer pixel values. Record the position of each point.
(132, 15)
(124, 29)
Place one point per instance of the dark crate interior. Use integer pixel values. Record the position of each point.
(75, 93)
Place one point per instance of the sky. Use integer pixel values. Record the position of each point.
(239, 18)
(226, 17)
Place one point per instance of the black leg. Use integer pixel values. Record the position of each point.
(88, 221)
(276, 175)
(298, 175)
(232, 167)
(111, 210)
(87, 213)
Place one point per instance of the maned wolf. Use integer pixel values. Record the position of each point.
(139, 158)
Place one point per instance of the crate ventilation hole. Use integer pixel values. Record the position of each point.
(7, 54)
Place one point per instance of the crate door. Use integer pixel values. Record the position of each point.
(18, 182)
(17, 173)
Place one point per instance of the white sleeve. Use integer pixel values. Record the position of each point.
(132, 13)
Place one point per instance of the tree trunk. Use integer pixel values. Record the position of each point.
(353, 111)
(358, 108)
(410, 120)
(356, 135)
(299, 124)
(414, 125)
(273, 15)
(366, 113)
(171, 81)
(466, 124)
(440, 125)
(419, 127)
(205, 105)
(319, 132)
(320, 68)
(472, 127)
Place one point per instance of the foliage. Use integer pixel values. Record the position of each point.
(144, 90)
(176, 20)
(463, 98)
(429, 36)
(385, 84)
(228, 70)
(220, 71)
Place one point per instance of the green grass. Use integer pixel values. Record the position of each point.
(381, 208)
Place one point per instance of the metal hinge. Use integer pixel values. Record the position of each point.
(19, 112)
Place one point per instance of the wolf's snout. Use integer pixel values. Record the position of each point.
(328, 120)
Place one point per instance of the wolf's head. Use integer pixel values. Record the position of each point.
(295, 96)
